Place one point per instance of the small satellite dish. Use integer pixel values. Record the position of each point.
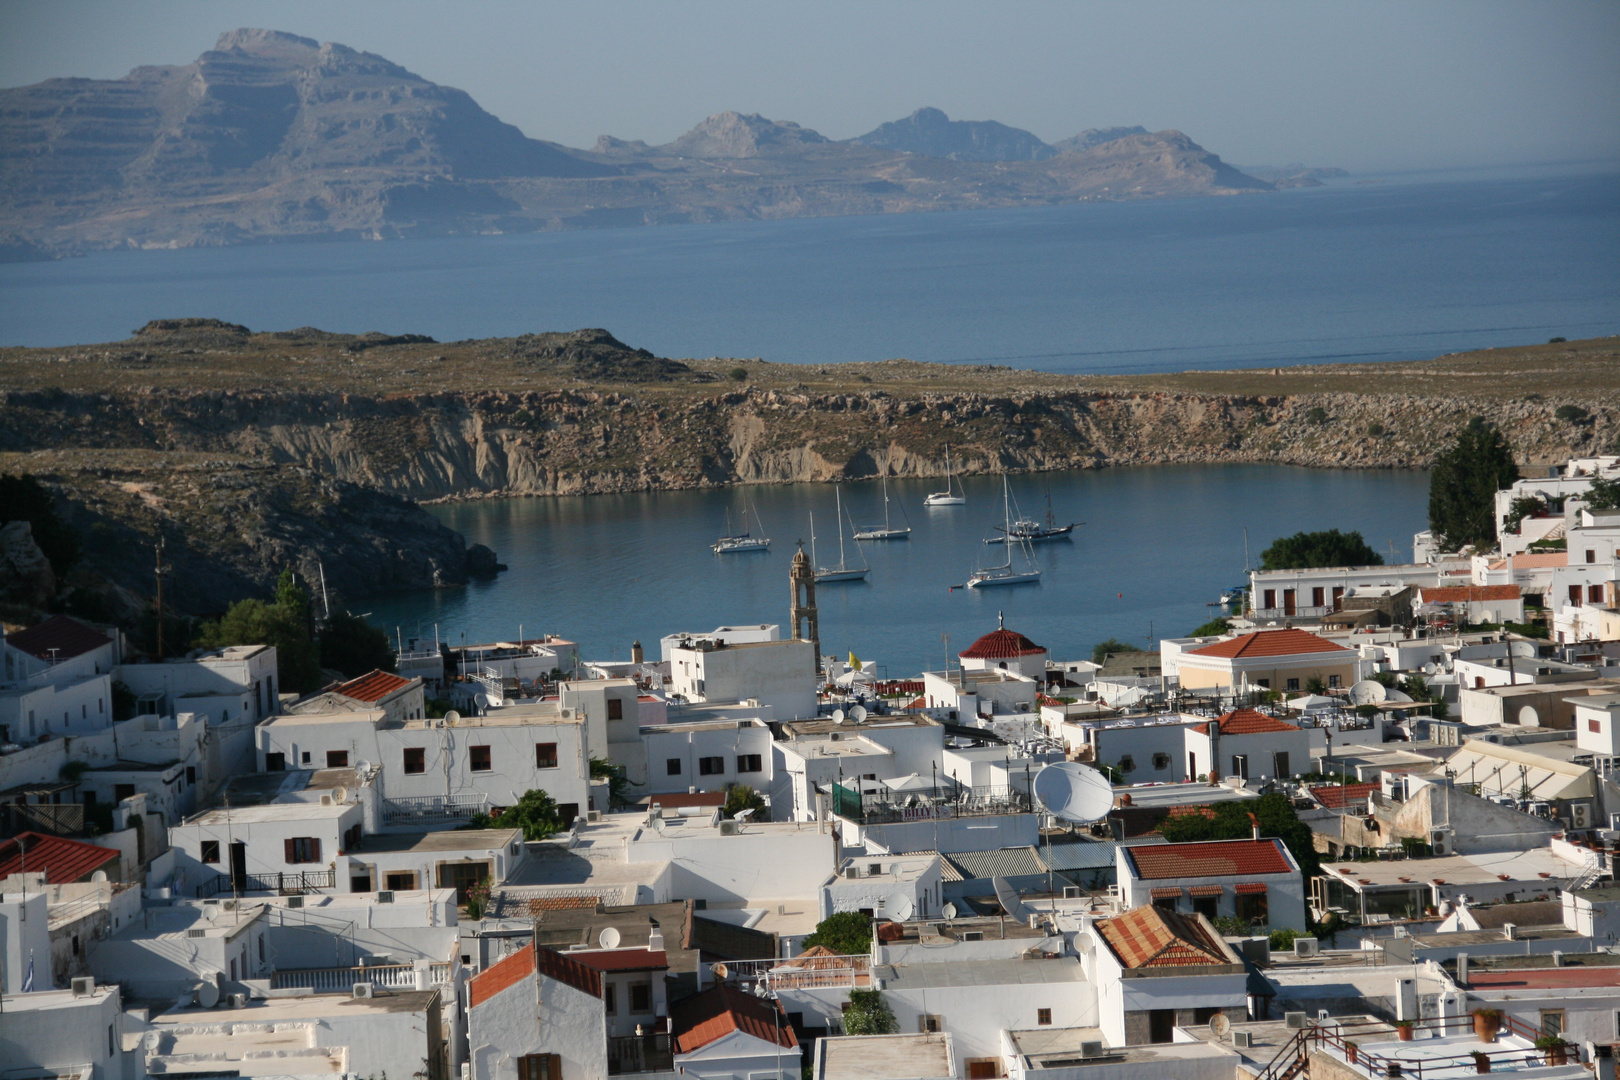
(949, 911)
(858, 714)
(1219, 1025)
(1074, 792)
(208, 995)
(608, 938)
(1010, 903)
(481, 700)
(451, 717)
(743, 815)
(340, 794)
(1367, 692)
(1431, 668)
(720, 971)
(99, 875)
(362, 766)
(900, 907)
(838, 716)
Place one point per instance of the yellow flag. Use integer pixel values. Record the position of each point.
(854, 661)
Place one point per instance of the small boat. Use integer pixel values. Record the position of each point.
(950, 496)
(742, 541)
(843, 571)
(885, 531)
(1005, 574)
(1036, 531)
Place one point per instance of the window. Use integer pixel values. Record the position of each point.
(1594, 593)
(540, 1067)
(1161, 761)
(275, 763)
(1591, 556)
(711, 766)
(673, 766)
(615, 708)
(112, 1039)
(610, 998)
(1264, 684)
(1552, 1022)
(1594, 726)
(415, 759)
(545, 755)
(191, 776)
(1252, 908)
(1127, 764)
(1043, 1017)
(1318, 596)
(1292, 684)
(337, 759)
(1575, 595)
(478, 758)
(749, 763)
(261, 948)
(210, 851)
(874, 869)
(304, 759)
(1207, 906)
(302, 849)
(930, 1022)
(1333, 681)
(641, 997)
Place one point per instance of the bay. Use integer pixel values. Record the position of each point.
(1157, 547)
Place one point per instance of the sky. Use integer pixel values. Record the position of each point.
(1368, 86)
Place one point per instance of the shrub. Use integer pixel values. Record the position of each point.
(1306, 550)
(738, 374)
(1556, 340)
(1283, 940)
(1317, 415)
(869, 1014)
(1570, 414)
(1101, 650)
(740, 797)
(1213, 628)
(1375, 430)
(847, 932)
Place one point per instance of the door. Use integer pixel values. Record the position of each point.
(1161, 1025)
(1279, 764)
(1192, 766)
(462, 877)
(1288, 602)
(238, 866)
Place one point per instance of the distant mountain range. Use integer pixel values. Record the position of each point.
(273, 136)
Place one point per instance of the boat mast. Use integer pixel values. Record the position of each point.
(838, 495)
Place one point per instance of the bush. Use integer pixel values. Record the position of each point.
(353, 646)
(738, 374)
(1570, 414)
(284, 624)
(535, 813)
(869, 1014)
(1283, 940)
(1331, 547)
(847, 932)
(1556, 340)
(740, 797)
(1375, 430)
(1101, 650)
(1317, 415)
(1213, 628)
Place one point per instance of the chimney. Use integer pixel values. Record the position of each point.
(1462, 969)
(1254, 826)
(636, 655)
(655, 940)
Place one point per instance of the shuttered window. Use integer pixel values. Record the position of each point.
(302, 849)
(539, 1067)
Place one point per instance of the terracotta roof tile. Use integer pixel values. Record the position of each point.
(1209, 858)
(554, 965)
(723, 1009)
(1269, 643)
(1001, 644)
(622, 959)
(63, 861)
(1456, 594)
(1248, 722)
(372, 687)
(68, 636)
(508, 971)
(1150, 937)
(1336, 797)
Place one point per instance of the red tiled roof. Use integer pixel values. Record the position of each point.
(508, 971)
(1269, 643)
(1209, 858)
(63, 861)
(68, 636)
(1336, 797)
(1206, 890)
(723, 1009)
(1542, 978)
(1150, 937)
(1248, 722)
(537, 904)
(1251, 888)
(1454, 594)
(373, 687)
(1001, 644)
(565, 969)
(622, 959)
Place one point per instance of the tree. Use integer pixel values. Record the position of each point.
(1213, 628)
(619, 784)
(535, 813)
(1230, 821)
(847, 932)
(1463, 486)
(1100, 651)
(353, 646)
(740, 797)
(1312, 549)
(23, 498)
(1603, 494)
(1520, 508)
(283, 624)
(869, 1014)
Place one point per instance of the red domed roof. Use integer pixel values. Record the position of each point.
(1001, 644)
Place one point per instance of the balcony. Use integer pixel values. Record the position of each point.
(801, 973)
(341, 980)
(1439, 1049)
(927, 804)
(640, 1054)
(431, 810)
(291, 884)
(1294, 612)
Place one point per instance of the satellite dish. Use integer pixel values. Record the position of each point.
(900, 907)
(1399, 696)
(208, 995)
(1219, 1025)
(720, 972)
(858, 714)
(949, 911)
(184, 1000)
(838, 716)
(363, 766)
(1431, 668)
(481, 700)
(608, 938)
(1368, 692)
(99, 875)
(1522, 648)
(340, 794)
(743, 815)
(452, 716)
(1010, 903)
(1074, 792)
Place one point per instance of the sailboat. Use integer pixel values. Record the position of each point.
(741, 541)
(1004, 574)
(1036, 531)
(950, 496)
(887, 531)
(843, 571)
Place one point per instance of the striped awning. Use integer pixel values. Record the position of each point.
(1250, 888)
(1167, 894)
(1206, 890)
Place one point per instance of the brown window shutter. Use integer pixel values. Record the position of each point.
(288, 851)
(315, 849)
(553, 1067)
(523, 1068)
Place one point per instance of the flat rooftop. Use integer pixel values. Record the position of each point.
(801, 728)
(886, 1057)
(1059, 1048)
(979, 973)
(303, 1007)
(941, 932)
(445, 840)
(287, 811)
(1156, 795)
(1538, 866)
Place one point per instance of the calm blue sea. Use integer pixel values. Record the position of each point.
(1388, 268)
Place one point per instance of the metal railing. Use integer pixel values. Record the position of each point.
(639, 1054)
(1342, 1038)
(433, 809)
(927, 804)
(291, 884)
(801, 972)
(74, 910)
(1297, 612)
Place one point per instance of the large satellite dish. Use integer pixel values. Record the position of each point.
(1219, 1025)
(900, 907)
(949, 911)
(858, 714)
(1008, 896)
(838, 716)
(1074, 792)
(481, 700)
(340, 794)
(208, 995)
(1368, 692)
(608, 938)
(1399, 696)
(452, 716)
(1522, 649)
(99, 875)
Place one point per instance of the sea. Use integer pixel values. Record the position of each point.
(1371, 268)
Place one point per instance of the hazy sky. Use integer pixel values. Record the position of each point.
(1365, 85)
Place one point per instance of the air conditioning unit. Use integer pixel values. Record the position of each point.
(385, 896)
(728, 827)
(1440, 841)
(326, 800)
(1073, 892)
(196, 933)
(1091, 1048)
(84, 987)
(295, 901)
(1581, 815)
(1297, 1020)
(593, 815)
(852, 871)
(365, 990)
(1242, 1039)
(229, 905)
(238, 1001)
(1305, 947)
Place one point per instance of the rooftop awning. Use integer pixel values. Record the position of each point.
(1166, 894)
(1206, 890)
(1250, 888)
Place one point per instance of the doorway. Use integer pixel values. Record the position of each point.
(462, 877)
(1161, 1025)
(238, 866)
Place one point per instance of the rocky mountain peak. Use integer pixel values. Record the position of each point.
(1096, 137)
(249, 39)
(735, 135)
(930, 132)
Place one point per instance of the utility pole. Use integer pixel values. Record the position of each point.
(158, 571)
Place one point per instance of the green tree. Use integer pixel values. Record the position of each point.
(1520, 508)
(619, 784)
(23, 498)
(1312, 549)
(1230, 821)
(1463, 486)
(1603, 495)
(284, 624)
(869, 1014)
(847, 932)
(353, 646)
(535, 813)
(1213, 628)
(1100, 651)
(740, 797)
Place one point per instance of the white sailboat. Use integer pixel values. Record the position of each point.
(1004, 574)
(886, 531)
(741, 541)
(843, 571)
(950, 496)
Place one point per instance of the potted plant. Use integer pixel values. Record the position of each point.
(1557, 1049)
(1482, 1061)
(1403, 1030)
(1352, 1052)
(1486, 1024)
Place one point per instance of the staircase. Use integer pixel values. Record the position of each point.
(1590, 873)
(1291, 1059)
